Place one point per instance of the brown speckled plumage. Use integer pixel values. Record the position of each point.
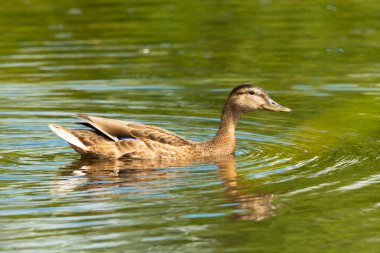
(110, 138)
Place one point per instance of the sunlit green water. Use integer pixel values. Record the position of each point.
(301, 182)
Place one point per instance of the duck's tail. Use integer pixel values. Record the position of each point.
(68, 136)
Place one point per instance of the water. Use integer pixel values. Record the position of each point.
(301, 182)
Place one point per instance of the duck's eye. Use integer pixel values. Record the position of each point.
(251, 92)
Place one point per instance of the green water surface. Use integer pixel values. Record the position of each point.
(307, 181)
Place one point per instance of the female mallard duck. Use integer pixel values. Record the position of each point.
(110, 138)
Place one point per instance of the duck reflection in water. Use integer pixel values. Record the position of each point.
(158, 174)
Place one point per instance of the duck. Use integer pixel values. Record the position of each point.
(116, 139)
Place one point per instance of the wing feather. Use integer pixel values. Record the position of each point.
(117, 130)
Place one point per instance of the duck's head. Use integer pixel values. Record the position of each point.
(248, 97)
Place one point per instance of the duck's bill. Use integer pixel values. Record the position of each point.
(277, 108)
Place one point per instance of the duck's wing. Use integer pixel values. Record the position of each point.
(118, 130)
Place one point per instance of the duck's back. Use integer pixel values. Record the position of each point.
(114, 139)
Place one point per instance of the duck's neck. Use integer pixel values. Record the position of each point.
(225, 137)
